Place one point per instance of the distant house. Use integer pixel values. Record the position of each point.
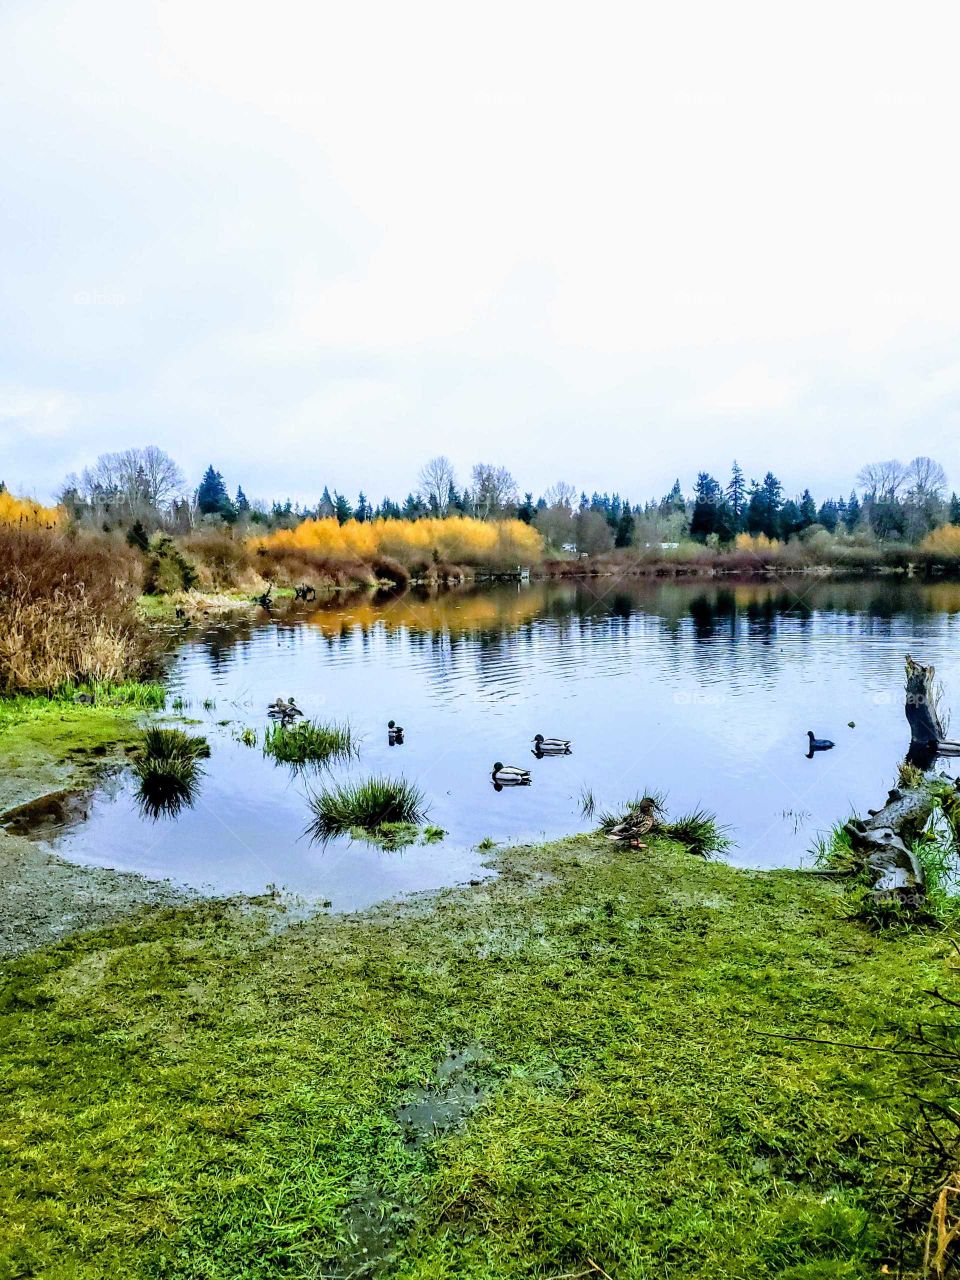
(664, 546)
(570, 546)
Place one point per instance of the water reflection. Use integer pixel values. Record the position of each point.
(703, 691)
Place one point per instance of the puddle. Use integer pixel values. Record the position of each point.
(48, 816)
(375, 1222)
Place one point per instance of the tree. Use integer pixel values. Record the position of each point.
(341, 508)
(791, 519)
(808, 510)
(737, 494)
(625, 527)
(763, 509)
(561, 494)
(212, 496)
(673, 502)
(241, 502)
(851, 517)
(708, 496)
(137, 536)
(926, 478)
(954, 509)
(494, 489)
(325, 508)
(363, 511)
(436, 480)
(829, 516)
(526, 509)
(593, 534)
(882, 481)
(163, 479)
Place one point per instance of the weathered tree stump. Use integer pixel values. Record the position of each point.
(927, 735)
(883, 841)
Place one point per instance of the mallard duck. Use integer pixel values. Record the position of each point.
(284, 710)
(551, 746)
(510, 775)
(638, 823)
(394, 733)
(818, 744)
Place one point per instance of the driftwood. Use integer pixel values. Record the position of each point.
(883, 839)
(928, 738)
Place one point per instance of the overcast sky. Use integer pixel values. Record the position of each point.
(315, 243)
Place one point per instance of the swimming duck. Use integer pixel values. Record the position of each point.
(395, 733)
(510, 775)
(551, 746)
(284, 711)
(818, 744)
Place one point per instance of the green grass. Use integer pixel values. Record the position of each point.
(168, 770)
(699, 832)
(367, 805)
(308, 742)
(200, 1094)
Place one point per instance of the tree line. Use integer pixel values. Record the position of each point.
(897, 502)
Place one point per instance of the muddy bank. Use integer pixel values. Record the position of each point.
(45, 899)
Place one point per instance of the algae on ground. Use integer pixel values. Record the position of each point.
(195, 1093)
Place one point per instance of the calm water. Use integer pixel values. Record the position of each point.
(704, 692)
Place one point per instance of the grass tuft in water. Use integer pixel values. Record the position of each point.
(308, 742)
(699, 832)
(168, 770)
(369, 805)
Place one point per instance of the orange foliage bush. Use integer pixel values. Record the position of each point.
(25, 513)
(459, 540)
(943, 542)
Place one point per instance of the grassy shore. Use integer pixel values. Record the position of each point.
(558, 1070)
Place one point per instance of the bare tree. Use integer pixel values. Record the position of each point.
(165, 480)
(561, 494)
(436, 478)
(136, 481)
(883, 480)
(927, 479)
(494, 489)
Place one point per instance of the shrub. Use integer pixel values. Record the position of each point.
(67, 609)
(368, 805)
(168, 570)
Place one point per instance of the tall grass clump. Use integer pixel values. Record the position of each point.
(67, 609)
(308, 742)
(368, 805)
(698, 831)
(168, 770)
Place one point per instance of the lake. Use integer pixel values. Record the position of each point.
(703, 691)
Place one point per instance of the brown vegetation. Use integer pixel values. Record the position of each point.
(67, 609)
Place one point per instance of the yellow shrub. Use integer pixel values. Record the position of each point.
(27, 513)
(755, 542)
(459, 540)
(944, 541)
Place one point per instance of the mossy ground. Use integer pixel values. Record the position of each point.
(198, 1093)
(47, 744)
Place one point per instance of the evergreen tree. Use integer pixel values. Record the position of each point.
(791, 519)
(737, 495)
(851, 517)
(526, 509)
(413, 508)
(341, 508)
(707, 496)
(212, 496)
(954, 509)
(363, 510)
(241, 502)
(674, 501)
(625, 527)
(325, 507)
(829, 515)
(137, 536)
(808, 510)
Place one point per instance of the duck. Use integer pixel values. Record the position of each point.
(510, 775)
(639, 822)
(551, 746)
(395, 733)
(818, 744)
(284, 710)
